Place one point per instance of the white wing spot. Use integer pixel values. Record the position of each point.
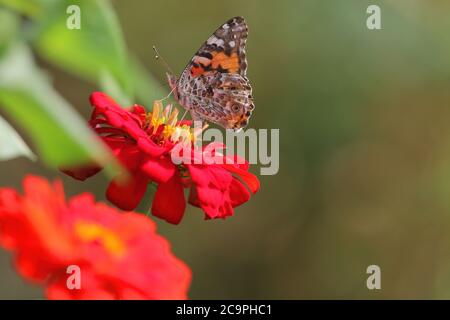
(215, 40)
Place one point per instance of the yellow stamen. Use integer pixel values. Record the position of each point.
(169, 118)
(167, 110)
(173, 118)
(156, 121)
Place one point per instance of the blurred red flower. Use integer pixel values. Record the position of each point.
(120, 256)
(145, 144)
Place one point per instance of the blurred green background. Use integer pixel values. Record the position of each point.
(363, 116)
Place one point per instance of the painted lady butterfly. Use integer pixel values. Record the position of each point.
(214, 85)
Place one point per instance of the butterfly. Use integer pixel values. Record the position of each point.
(214, 85)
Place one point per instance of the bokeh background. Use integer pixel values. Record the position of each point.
(364, 137)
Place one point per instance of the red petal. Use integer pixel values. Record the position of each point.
(130, 156)
(102, 100)
(211, 188)
(238, 193)
(127, 194)
(116, 116)
(184, 123)
(138, 110)
(237, 162)
(81, 173)
(169, 203)
(249, 179)
(159, 170)
(151, 148)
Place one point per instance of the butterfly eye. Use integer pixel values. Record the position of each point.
(236, 108)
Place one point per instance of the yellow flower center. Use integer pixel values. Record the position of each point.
(169, 119)
(88, 232)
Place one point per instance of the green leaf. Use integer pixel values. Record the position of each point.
(9, 27)
(87, 52)
(26, 7)
(96, 52)
(60, 134)
(11, 144)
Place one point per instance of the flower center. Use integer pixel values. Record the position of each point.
(89, 232)
(163, 125)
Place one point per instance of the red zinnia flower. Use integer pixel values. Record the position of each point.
(145, 143)
(120, 256)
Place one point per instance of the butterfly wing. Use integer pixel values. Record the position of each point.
(223, 52)
(214, 86)
(222, 98)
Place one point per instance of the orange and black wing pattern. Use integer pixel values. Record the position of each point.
(214, 85)
(223, 52)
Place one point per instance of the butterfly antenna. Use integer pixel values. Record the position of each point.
(166, 65)
(163, 61)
